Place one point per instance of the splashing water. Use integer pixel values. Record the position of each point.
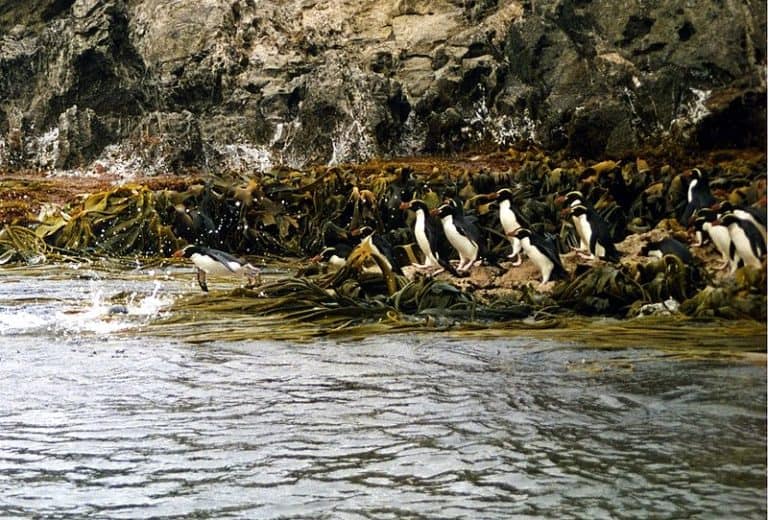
(99, 315)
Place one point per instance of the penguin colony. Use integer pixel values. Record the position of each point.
(455, 234)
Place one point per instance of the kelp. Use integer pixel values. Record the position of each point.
(288, 212)
(117, 222)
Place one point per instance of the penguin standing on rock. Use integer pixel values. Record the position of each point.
(699, 195)
(746, 239)
(570, 200)
(428, 236)
(217, 263)
(704, 223)
(510, 220)
(543, 254)
(595, 232)
(461, 233)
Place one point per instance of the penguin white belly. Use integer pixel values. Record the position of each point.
(585, 232)
(507, 217)
(720, 237)
(544, 264)
(466, 248)
(213, 267)
(510, 224)
(691, 186)
(421, 240)
(743, 246)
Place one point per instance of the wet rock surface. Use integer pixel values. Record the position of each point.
(240, 85)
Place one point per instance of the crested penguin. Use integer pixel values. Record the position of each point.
(572, 199)
(379, 245)
(596, 233)
(428, 234)
(755, 215)
(217, 263)
(745, 239)
(543, 254)
(698, 196)
(718, 234)
(667, 246)
(335, 256)
(461, 233)
(510, 220)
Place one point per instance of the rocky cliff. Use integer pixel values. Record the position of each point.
(157, 86)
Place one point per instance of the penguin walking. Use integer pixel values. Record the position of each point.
(595, 232)
(704, 223)
(428, 236)
(510, 220)
(698, 196)
(217, 263)
(543, 254)
(462, 234)
(745, 239)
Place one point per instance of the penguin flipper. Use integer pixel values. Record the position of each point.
(201, 280)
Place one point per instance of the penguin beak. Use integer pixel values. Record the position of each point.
(178, 254)
(716, 206)
(492, 196)
(405, 205)
(434, 212)
(559, 200)
(565, 212)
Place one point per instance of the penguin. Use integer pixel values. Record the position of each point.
(698, 196)
(335, 256)
(379, 246)
(596, 233)
(718, 234)
(217, 263)
(429, 236)
(570, 200)
(754, 214)
(745, 239)
(461, 233)
(510, 220)
(543, 254)
(668, 246)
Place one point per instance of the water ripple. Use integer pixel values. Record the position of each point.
(108, 426)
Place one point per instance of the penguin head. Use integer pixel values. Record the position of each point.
(727, 219)
(571, 198)
(187, 251)
(522, 233)
(362, 232)
(578, 210)
(706, 215)
(723, 206)
(445, 209)
(695, 173)
(504, 194)
(415, 205)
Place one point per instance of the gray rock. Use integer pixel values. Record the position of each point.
(165, 86)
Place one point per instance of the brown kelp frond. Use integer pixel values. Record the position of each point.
(118, 222)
